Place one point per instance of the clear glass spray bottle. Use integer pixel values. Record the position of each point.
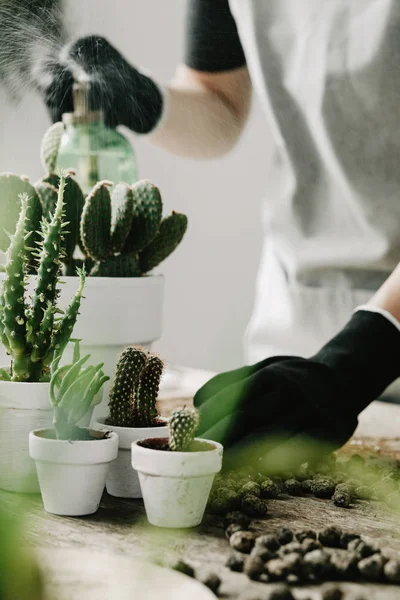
(95, 151)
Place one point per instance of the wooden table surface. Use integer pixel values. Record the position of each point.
(120, 526)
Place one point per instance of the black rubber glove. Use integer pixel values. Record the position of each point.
(288, 407)
(126, 96)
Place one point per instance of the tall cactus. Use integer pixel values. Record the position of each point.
(29, 329)
(133, 396)
(182, 428)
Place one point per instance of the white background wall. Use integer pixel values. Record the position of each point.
(210, 279)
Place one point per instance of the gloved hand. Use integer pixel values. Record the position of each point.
(126, 96)
(287, 408)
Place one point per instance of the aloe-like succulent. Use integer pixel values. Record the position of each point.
(30, 330)
(133, 396)
(182, 428)
(74, 390)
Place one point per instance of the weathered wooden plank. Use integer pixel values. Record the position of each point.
(120, 527)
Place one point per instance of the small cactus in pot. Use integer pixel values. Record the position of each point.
(132, 414)
(176, 473)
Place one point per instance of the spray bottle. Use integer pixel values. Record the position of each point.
(95, 151)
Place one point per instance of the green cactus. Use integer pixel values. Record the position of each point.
(121, 265)
(122, 208)
(74, 201)
(133, 396)
(11, 188)
(73, 390)
(182, 428)
(29, 330)
(96, 222)
(50, 146)
(172, 230)
(146, 216)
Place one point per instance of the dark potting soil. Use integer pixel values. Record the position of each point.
(162, 444)
(79, 435)
(157, 422)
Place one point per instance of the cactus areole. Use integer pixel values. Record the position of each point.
(32, 329)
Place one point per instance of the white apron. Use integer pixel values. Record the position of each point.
(328, 75)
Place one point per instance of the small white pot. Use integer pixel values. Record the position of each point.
(176, 485)
(122, 481)
(23, 407)
(72, 475)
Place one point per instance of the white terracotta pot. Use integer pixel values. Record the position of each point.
(116, 312)
(176, 485)
(23, 407)
(72, 475)
(122, 480)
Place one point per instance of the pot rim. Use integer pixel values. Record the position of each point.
(128, 435)
(165, 463)
(23, 395)
(72, 452)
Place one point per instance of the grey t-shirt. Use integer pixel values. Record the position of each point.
(328, 75)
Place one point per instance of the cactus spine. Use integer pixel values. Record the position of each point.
(133, 396)
(30, 331)
(182, 427)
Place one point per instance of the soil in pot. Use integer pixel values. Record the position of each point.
(162, 444)
(79, 435)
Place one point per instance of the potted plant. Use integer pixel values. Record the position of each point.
(132, 415)
(72, 462)
(176, 474)
(33, 335)
(120, 236)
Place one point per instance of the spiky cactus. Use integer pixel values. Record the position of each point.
(133, 396)
(182, 428)
(29, 329)
(73, 390)
(11, 188)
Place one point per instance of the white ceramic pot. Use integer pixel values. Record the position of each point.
(72, 475)
(176, 485)
(23, 407)
(122, 480)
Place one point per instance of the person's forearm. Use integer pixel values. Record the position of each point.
(201, 121)
(388, 295)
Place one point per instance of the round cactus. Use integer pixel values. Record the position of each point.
(182, 428)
